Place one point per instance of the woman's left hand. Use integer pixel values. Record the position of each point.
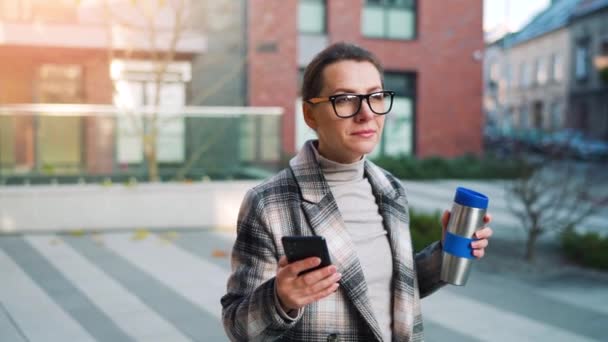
(482, 235)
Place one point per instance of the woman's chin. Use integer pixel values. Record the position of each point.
(364, 148)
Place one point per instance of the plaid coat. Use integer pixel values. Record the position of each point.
(298, 201)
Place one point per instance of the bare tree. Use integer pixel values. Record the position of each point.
(161, 25)
(553, 195)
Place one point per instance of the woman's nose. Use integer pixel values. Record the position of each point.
(365, 112)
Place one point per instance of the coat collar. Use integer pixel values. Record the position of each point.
(314, 187)
(325, 219)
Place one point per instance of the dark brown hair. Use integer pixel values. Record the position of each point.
(313, 75)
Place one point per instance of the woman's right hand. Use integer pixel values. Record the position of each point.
(295, 291)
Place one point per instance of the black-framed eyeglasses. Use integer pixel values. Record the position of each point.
(348, 105)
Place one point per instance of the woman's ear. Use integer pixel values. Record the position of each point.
(309, 118)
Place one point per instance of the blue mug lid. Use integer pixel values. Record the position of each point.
(470, 198)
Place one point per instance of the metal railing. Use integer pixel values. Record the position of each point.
(70, 143)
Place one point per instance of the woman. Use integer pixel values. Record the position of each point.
(372, 290)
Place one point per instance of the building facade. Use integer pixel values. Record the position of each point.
(589, 69)
(247, 53)
(431, 51)
(526, 78)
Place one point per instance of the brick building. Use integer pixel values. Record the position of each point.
(431, 51)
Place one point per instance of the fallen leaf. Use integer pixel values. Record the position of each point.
(140, 234)
(76, 232)
(218, 253)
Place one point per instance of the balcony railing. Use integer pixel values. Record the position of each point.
(57, 143)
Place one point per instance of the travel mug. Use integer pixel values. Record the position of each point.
(466, 217)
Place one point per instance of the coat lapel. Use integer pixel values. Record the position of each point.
(322, 213)
(392, 205)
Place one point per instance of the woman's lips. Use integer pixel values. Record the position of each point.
(367, 133)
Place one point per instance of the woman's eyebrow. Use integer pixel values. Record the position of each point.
(351, 91)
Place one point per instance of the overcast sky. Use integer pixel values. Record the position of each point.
(513, 13)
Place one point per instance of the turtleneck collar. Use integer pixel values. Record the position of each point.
(338, 172)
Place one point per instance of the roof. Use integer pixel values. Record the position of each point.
(551, 19)
(586, 7)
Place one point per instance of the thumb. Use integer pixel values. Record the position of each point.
(283, 261)
(445, 218)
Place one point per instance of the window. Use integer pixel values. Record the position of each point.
(38, 10)
(398, 136)
(7, 142)
(540, 74)
(59, 138)
(537, 115)
(556, 72)
(390, 19)
(581, 60)
(556, 116)
(524, 121)
(508, 76)
(136, 87)
(524, 75)
(311, 17)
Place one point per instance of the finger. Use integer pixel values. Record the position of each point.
(478, 253)
(487, 218)
(484, 233)
(324, 293)
(318, 275)
(283, 261)
(302, 265)
(479, 244)
(445, 218)
(325, 283)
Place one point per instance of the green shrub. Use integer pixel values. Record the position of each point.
(424, 228)
(466, 167)
(588, 249)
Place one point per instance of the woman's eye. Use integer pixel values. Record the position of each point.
(377, 97)
(345, 99)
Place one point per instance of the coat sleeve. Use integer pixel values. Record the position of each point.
(428, 269)
(249, 312)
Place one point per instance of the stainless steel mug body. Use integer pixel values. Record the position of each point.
(464, 221)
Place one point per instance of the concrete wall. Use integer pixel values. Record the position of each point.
(94, 207)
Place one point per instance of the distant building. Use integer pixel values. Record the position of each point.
(589, 68)
(526, 74)
(548, 76)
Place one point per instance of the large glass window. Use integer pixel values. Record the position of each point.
(389, 19)
(311, 16)
(398, 135)
(59, 143)
(136, 88)
(7, 142)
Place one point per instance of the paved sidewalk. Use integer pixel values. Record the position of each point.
(137, 286)
(166, 286)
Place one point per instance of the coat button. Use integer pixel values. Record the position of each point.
(333, 338)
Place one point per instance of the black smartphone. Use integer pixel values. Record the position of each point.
(302, 247)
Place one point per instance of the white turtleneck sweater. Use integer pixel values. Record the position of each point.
(357, 204)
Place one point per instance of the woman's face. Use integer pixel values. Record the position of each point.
(346, 140)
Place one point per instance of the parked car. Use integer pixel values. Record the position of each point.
(571, 143)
